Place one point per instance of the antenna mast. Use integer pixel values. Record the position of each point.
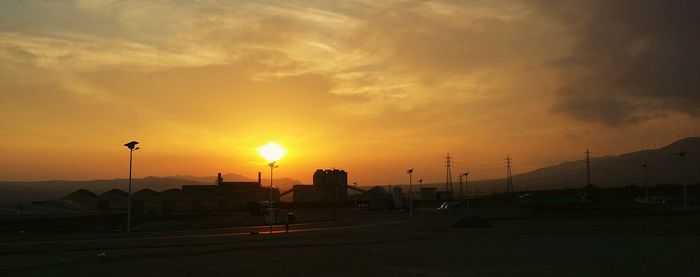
(509, 175)
(448, 165)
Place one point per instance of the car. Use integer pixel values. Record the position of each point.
(451, 207)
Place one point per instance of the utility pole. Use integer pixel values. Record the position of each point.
(410, 192)
(461, 187)
(132, 147)
(271, 211)
(421, 193)
(588, 167)
(448, 179)
(466, 178)
(355, 193)
(509, 175)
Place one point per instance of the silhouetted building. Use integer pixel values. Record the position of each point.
(81, 200)
(427, 193)
(113, 199)
(397, 194)
(147, 200)
(376, 198)
(331, 185)
(443, 196)
(303, 193)
(235, 194)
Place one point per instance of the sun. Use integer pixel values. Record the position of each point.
(272, 152)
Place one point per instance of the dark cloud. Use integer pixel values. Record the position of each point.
(631, 60)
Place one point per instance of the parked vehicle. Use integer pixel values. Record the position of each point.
(452, 207)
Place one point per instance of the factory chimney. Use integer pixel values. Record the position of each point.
(219, 179)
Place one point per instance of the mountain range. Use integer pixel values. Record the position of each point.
(664, 166)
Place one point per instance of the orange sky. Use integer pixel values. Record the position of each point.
(373, 88)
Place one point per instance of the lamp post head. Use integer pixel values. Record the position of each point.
(420, 181)
(132, 145)
(410, 171)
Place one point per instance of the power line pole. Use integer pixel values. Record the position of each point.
(466, 187)
(466, 182)
(509, 175)
(588, 167)
(422, 197)
(448, 165)
(410, 192)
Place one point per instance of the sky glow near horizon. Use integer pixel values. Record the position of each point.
(373, 87)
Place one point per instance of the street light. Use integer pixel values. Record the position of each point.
(421, 193)
(410, 192)
(272, 152)
(132, 147)
(466, 187)
(272, 166)
(355, 194)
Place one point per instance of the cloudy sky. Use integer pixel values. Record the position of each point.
(373, 87)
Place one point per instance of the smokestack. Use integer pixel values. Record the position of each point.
(259, 178)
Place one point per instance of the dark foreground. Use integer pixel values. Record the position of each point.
(652, 245)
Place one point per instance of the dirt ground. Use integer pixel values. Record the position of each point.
(658, 245)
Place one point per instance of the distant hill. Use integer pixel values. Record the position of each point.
(20, 192)
(664, 166)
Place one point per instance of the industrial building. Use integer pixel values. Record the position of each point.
(329, 185)
(221, 196)
(235, 194)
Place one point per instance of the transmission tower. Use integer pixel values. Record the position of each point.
(509, 176)
(448, 179)
(588, 167)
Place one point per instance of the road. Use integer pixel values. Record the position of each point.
(609, 246)
(142, 240)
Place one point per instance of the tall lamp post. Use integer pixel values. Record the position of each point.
(410, 192)
(466, 186)
(132, 147)
(272, 166)
(421, 193)
(355, 194)
(272, 152)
